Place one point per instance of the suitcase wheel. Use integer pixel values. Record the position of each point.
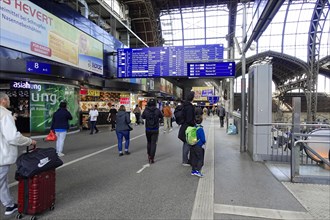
(20, 215)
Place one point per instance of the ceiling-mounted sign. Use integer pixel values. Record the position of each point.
(163, 61)
(213, 99)
(211, 69)
(36, 67)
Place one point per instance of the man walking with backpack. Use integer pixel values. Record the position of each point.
(188, 114)
(152, 115)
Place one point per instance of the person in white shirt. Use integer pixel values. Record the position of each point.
(93, 113)
(10, 139)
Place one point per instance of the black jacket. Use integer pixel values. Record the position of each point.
(189, 119)
(61, 119)
(147, 111)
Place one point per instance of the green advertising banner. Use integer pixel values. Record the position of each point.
(44, 102)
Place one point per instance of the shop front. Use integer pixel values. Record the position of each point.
(33, 103)
(103, 100)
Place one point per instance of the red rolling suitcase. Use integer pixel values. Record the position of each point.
(36, 194)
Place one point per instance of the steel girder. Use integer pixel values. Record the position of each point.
(318, 19)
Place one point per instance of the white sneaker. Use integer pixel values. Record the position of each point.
(60, 154)
(186, 164)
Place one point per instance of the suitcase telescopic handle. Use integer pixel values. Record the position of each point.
(28, 149)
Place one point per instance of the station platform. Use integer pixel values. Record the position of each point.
(95, 183)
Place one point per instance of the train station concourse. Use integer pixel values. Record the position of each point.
(174, 109)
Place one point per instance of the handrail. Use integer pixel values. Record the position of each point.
(290, 124)
(313, 151)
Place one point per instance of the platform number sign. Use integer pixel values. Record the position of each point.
(36, 67)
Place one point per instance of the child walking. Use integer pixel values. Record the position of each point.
(197, 150)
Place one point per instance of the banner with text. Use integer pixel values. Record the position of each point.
(201, 93)
(28, 28)
(44, 102)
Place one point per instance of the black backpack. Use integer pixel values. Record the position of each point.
(179, 114)
(152, 120)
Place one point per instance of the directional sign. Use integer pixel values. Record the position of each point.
(213, 99)
(211, 69)
(36, 67)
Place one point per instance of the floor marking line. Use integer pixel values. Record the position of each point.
(143, 167)
(260, 212)
(84, 157)
(204, 201)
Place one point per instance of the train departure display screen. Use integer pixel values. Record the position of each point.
(163, 61)
(211, 69)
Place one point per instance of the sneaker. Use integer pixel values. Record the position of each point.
(60, 154)
(193, 173)
(11, 210)
(186, 164)
(121, 154)
(127, 153)
(199, 174)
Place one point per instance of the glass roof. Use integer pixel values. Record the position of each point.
(287, 33)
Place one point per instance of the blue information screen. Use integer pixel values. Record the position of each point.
(36, 67)
(163, 61)
(211, 69)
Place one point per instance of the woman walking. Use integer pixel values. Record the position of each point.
(123, 129)
(60, 124)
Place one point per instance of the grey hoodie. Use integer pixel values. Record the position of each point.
(122, 121)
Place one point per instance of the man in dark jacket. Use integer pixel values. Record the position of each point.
(189, 120)
(221, 114)
(60, 124)
(152, 115)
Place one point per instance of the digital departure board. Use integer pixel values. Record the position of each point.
(211, 69)
(163, 61)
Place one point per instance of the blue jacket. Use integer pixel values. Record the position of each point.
(61, 119)
(200, 136)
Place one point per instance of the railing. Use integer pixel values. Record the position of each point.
(306, 164)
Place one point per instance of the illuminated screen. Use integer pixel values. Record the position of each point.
(28, 28)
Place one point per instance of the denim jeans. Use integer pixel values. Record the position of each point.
(185, 153)
(93, 126)
(120, 135)
(60, 141)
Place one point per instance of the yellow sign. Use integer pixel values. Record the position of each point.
(201, 93)
(92, 92)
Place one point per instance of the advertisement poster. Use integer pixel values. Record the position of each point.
(45, 101)
(26, 27)
(201, 93)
